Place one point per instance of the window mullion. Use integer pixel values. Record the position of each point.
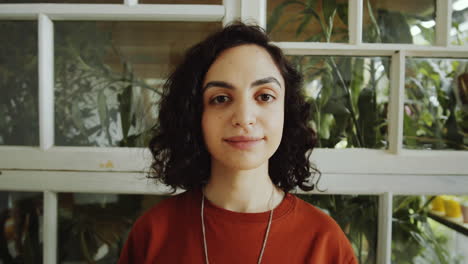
(396, 102)
(131, 2)
(443, 22)
(254, 10)
(355, 21)
(114, 12)
(231, 11)
(384, 234)
(46, 82)
(50, 227)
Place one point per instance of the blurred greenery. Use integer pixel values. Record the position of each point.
(21, 227)
(349, 96)
(347, 109)
(436, 105)
(459, 18)
(306, 16)
(94, 104)
(395, 25)
(19, 119)
(95, 232)
(413, 236)
(93, 228)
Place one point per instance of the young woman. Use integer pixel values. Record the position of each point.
(233, 132)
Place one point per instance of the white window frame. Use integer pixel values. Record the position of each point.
(51, 169)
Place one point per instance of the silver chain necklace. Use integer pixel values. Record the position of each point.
(264, 240)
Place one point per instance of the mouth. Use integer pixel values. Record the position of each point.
(242, 142)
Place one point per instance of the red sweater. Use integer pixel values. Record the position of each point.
(171, 232)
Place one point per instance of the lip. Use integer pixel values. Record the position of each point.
(243, 142)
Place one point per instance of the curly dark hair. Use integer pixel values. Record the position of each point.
(181, 159)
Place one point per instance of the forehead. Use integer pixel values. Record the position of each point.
(245, 62)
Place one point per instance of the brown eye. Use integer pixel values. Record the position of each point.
(266, 98)
(220, 99)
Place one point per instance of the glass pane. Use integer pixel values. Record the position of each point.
(188, 2)
(63, 1)
(304, 20)
(19, 120)
(349, 97)
(107, 89)
(459, 32)
(94, 227)
(436, 104)
(393, 21)
(357, 216)
(418, 238)
(21, 227)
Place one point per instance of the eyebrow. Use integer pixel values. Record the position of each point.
(230, 86)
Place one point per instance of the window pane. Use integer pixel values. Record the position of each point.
(459, 32)
(418, 238)
(21, 227)
(94, 227)
(303, 20)
(19, 120)
(357, 216)
(393, 21)
(436, 104)
(107, 89)
(189, 2)
(349, 97)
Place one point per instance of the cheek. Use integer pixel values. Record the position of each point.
(276, 122)
(277, 125)
(210, 124)
(276, 118)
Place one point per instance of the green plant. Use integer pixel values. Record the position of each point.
(18, 83)
(348, 109)
(96, 104)
(412, 235)
(349, 97)
(436, 108)
(308, 15)
(84, 229)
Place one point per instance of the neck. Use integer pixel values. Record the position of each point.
(247, 191)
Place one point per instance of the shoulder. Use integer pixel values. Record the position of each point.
(324, 231)
(151, 230)
(160, 214)
(322, 221)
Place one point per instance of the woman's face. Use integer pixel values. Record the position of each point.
(243, 108)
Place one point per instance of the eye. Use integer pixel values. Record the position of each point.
(220, 99)
(266, 97)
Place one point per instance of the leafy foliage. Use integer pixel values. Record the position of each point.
(307, 15)
(18, 83)
(412, 235)
(349, 96)
(394, 26)
(95, 104)
(349, 104)
(436, 106)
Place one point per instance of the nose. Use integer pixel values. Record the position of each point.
(244, 115)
